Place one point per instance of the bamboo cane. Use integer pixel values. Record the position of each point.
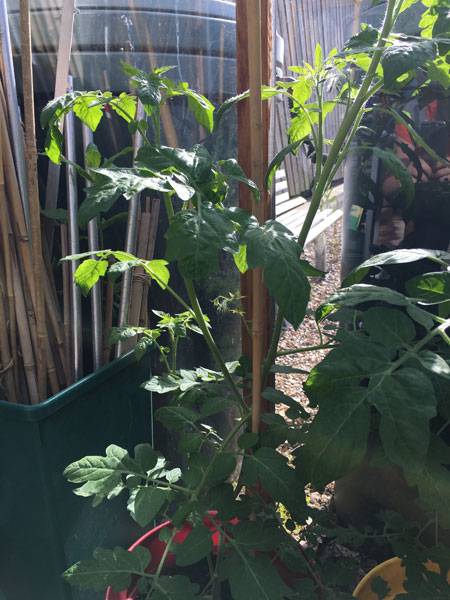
(155, 208)
(6, 237)
(62, 74)
(257, 166)
(74, 247)
(109, 305)
(96, 292)
(17, 135)
(130, 244)
(32, 178)
(6, 357)
(23, 326)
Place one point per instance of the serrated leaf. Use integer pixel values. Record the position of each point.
(195, 547)
(92, 157)
(145, 503)
(240, 259)
(145, 456)
(231, 169)
(402, 57)
(395, 257)
(406, 402)
(430, 288)
(389, 326)
(176, 587)
(277, 161)
(340, 430)
(434, 362)
(89, 110)
(432, 478)
(113, 568)
(56, 214)
(177, 417)
(202, 109)
(366, 38)
(88, 273)
(253, 578)
(273, 248)
(194, 240)
(248, 440)
(270, 468)
(125, 106)
(360, 293)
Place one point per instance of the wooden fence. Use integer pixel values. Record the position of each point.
(303, 24)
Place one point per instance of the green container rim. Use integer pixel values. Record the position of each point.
(38, 412)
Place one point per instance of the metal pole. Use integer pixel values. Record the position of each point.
(18, 142)
(74, 246)
(96, 292)
(130, 245)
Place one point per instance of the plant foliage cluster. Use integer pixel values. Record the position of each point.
(385, 380)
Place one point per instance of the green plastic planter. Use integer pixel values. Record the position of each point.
(44, 527)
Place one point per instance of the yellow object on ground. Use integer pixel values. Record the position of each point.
(394, 574)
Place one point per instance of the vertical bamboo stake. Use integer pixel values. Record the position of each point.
(130, 244)
(257, 174)
(96, 292)
(62, 74)
(35, 216)
(13, 108)
(74, 248)
(356, 17)
(6, 245)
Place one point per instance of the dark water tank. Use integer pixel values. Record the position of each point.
(195, 36)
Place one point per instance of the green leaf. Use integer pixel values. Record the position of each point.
(56, 214)
(111, 184)
(145, 456)
(157, 269)
(248, 440)
(395, 257)
(231, 169)
(88, 273)
(240, 259)
(434, 362)
(406, 402)
(402, 57)
(431, 288)
(336, 442)
(432, 479)
(253, 578)
(176, 587)
(148, 87)
(270, 468)
(92, 157)
(113, 568)
(177, 417)
(389, 326)
(407, 4)
(300, 127)
(366, 38)
(277, 161)
(273, 248)
(195, 547)
(202, 109)
(89, 110)
(145, 503)
(258, 536)
(125, 106)
(194, 240)
(360, 293)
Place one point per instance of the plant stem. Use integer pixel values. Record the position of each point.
(306, 349)
(223, 447)
(161, 565)
(210, 340)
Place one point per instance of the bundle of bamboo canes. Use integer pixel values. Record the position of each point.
(42, 340)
